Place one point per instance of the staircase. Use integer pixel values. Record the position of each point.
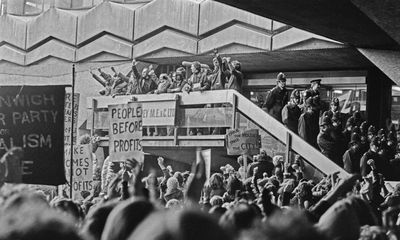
(233, 107)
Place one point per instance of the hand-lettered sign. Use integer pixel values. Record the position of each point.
(125, 132)
(32, 117)
(240, 142)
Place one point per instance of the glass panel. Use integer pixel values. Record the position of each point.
(101, 120)
(205, 117)
(33, 7)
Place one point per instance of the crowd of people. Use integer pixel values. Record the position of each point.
(225, 74)
(346, 139)
(265, 199)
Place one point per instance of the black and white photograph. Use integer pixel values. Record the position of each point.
(200, 120)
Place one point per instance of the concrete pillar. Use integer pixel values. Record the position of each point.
(379, 98)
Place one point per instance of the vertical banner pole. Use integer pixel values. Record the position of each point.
(72, 133)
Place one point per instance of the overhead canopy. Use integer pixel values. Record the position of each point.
(340, 20)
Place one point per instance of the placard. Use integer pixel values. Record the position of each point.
(239, 142)
(206, 154)
(68, 118)
(32, 117)
(125, 132)
(82, 167)
(159, 113)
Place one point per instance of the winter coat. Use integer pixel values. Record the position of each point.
(276, 100)
(351, 159)
(199, 82)
(290, 116)
(309, 127)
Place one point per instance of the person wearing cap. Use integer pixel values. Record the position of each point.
(352, 157)
(291, 112)
(308, 124)
(277, 97)
(325, 140)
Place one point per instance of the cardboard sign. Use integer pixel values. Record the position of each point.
(159, 113)
(239, 142)
(82, 167)
(125, 132)
(68, 118)
(32, 117)
(206, 154)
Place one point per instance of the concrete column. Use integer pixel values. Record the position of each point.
(379, 98)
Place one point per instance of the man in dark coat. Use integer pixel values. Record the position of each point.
(264, 165)
(313, 93)
(325, 139)
(352, 157)
(308, 124)
(291, 112)
(334, 110)
(277, 98)
(373, 154)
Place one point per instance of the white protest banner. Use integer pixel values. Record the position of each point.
(82, 167)
(206, 154)
(239, 142)
(159, 113)
(68, 118)
(125, 132)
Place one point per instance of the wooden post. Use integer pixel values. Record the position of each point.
(235, 115)
(288, 146)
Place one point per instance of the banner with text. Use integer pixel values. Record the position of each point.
(68, 118)
(31, 117)
(240, 142)
(159, 113)
(82, 167)
(125, 132)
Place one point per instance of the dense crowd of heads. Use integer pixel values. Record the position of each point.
(345, 138)
(265, 198)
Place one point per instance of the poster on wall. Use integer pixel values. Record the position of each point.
(32, 117)
(125, 132)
